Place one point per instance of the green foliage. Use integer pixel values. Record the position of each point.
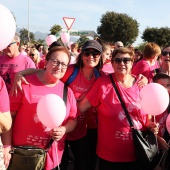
(55, 29)
(161, 36)
(118, 27)
(24, 36)
(82, 40)
(141, 46)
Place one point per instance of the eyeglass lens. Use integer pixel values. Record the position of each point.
(164, 53)
(119, 60)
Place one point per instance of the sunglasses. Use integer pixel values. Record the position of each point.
(119, 60)
(95, 54)
(11, 44)
(32, 55)
(164, 53)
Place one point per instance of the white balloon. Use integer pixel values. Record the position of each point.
(7, 27)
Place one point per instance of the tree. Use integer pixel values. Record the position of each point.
(161, 36)
(118, 27)
(82, 40)
(24, 36)
(55, 29)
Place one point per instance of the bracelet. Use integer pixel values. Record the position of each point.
(7, 146)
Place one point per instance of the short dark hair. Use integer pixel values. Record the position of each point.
(160, 76)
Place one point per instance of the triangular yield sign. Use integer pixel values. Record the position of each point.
(69, 22)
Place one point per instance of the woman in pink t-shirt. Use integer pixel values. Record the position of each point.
(115, 146)
(27, 129)
(5, 118)
(83, 139)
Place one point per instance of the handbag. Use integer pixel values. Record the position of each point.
(145, 142)
(27, 158)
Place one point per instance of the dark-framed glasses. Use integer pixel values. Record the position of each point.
(57, 63)
(119, 60)
(95, 54)
(164, 53)
(11, 44)
(32, 55)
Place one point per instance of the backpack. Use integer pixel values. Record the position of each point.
(75, 72)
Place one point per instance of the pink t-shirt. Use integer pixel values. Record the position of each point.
(4, 104)
(107, 68)
(27, 129)
(80, 86)
(11, 65)
(142, 67)
(115, 142)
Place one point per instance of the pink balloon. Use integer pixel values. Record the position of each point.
(7, 27)
(154, 99)
(65, 37)
(51, 110)
(50, 39)
(168, 123)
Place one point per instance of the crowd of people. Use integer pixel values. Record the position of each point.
(95, 129)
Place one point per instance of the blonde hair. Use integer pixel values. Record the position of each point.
(36, 57)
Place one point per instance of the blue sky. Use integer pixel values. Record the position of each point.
(87, 13)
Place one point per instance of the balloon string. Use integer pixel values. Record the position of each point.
(156, 135)
(57, 157)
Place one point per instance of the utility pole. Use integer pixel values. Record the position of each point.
(28, 22)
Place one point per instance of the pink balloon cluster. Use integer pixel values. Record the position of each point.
(7, 27)
(51, 110)
(50, 39)
(154, 99)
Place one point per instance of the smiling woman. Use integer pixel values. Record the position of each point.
(45, 82)
(115, 146)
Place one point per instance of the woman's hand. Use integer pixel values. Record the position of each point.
(18, 80)
(143, 81)
(7, 156)
(162, 143)
(154, 127)
(58, 133)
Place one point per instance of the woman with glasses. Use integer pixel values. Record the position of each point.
(82, 140)
(27, 129)
(84, 73)
(165, 61)
(115, 147)
(35, 56)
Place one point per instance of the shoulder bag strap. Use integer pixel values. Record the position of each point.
(121, 101)
(65, 91)
(73, 75)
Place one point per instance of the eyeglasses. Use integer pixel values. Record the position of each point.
(119, 46)
(57, 63)
(119, 60)
(164, 53)
(11, 44)
(32, 55)
(95, 54)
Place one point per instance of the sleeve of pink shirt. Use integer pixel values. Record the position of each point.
(4, 104)
(142, 67)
